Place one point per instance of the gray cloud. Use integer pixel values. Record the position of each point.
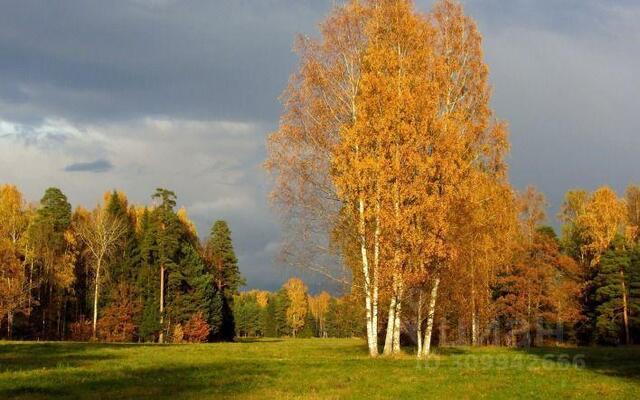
(96, 166)
(182, 94)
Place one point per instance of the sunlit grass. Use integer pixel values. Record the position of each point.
(310, 368)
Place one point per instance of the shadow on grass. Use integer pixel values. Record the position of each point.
(621, 362)
(225, 379)
(25, 357)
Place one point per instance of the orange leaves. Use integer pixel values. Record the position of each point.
(388, 140)
(592, 221)
(297, 309)
(603, 217)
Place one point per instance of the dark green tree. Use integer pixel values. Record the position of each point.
(46, 237)
(189, 287)
(168, 231)
(269, 323)
(634, 293)
(125, 261)
(223, 266)
(610, 285)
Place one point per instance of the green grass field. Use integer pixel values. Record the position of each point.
(310, 368)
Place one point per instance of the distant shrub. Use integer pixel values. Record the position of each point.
(118, 321)
(196, 330)
(178, 334)
(81, 331)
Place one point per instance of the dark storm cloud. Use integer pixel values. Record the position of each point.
(120, 59)
(181, 94)
(96, 166)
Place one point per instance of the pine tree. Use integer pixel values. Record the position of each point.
(168, 231)
(609, 282)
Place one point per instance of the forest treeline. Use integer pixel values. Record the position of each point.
(390, 158)
(119, 272)
(293, 312)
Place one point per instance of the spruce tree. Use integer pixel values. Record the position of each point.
(269, 324)
(189, 287)
(125, 261)
(148, 283)
(223, 266)
(281, 305)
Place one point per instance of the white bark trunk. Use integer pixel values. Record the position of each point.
(376, 265)
(474, 320)
(388, 342)
(396, 326)
(95, 299)
(430, 316)
(371, 335)
(419, 324)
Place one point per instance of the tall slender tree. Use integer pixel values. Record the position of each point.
(222, 264)
(168, 230)
(100, 234)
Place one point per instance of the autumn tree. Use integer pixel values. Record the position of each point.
(52, 248)
(15, 285)
(591, 223)
(632, 203)
(318, 307)
(118, 321)
(100, 233)
(384, 122)
(297, 308)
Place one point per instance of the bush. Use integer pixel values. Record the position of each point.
(196, 330)
(81, 331)
(178, 334)
(118, 321)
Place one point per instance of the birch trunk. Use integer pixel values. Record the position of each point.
(396, 326)
(474, 320)
(376, 266)
(419, 324)
(95, 299)
(430, 316)
(371, 334)
(388, 342)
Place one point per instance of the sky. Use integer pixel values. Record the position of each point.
(139, 94)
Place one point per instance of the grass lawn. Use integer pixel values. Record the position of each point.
(310, 368)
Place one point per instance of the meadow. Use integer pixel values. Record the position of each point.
(310, 369)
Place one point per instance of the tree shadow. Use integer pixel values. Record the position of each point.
(623, 362)
(216, 379)
(26, 357)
